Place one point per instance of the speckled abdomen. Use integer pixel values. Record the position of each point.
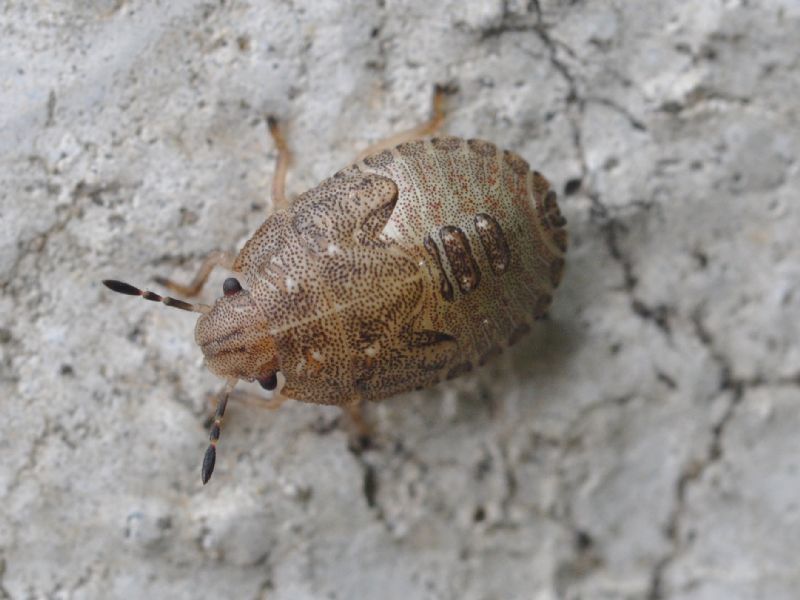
(488, 233)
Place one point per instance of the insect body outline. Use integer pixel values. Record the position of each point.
(420, 261)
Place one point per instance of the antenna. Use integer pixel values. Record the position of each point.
(230, 288)
(210, 457)
(126, 288)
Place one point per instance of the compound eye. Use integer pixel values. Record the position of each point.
(231, 286)
(270, 382)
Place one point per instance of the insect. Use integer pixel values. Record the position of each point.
(418, 262)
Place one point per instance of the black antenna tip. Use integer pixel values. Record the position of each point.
(121, 287)
(208, 463)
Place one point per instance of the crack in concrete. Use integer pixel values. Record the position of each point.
(4, 593)
(383, 43)
(83, 579)
(265, 589)
(509, 479)
(736, 388)
(371, 482)
(695, 469)
(618, 108)
(576, 104)
(370, 486)
(612, 228)
(510, 23)
(262, 564)
(586, 556)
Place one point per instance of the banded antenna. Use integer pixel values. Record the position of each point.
(210, 457)
(126, 288)
(121, 287)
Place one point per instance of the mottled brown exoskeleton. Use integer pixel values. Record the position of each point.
(417, 263)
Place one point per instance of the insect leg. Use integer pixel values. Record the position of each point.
(215, 259)
(279, 200)
(425, 129)
(360, 432)
(258, 401)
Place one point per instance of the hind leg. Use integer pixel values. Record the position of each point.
(427, 128)
(359, 431)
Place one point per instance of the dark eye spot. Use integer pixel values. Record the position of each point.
(231, 286)
(270, 382)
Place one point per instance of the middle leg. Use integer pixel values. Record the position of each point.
(427, 128)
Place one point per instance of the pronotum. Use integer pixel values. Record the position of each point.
(418, 262)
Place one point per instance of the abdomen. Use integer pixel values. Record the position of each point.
(486, 230)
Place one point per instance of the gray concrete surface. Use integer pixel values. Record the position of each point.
(643, 444)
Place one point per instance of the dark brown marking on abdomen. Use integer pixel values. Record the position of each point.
(459, 256)
(542, 304)
(489, 355)
(445, 287)
(459, 369)
(482, 148)
(519, 332)
(554, 216)
(560, 239)
(419, 339)
(556, 271)
(494, 242)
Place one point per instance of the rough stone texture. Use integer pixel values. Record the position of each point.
(643, 444)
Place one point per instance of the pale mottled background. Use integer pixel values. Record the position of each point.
(642, 445)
